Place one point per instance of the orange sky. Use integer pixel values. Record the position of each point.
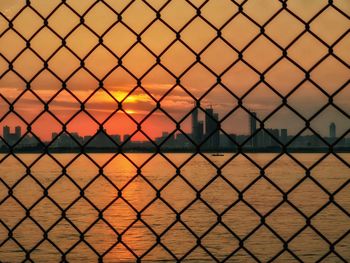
(330, 74)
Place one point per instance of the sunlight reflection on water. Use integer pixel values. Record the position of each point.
(139, 236)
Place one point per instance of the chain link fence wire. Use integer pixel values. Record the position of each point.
(217, 56)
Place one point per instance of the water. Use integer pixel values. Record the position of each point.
(138, 236)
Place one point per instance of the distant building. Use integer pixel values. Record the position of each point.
(252, 122)
(65, 140)
(209, 121)
(116, 138)
(18, 131)
(212, 132)
(241, 138)
(276, 137)
(197, 127)
(268, 138)
(307, 141)
(12, 138)
(29, 141)
(182, 141)
(101, 140)
(284, 136)
(228, 142)
(200, 131)
(166, 140)
(53, 135)
(6, 131)
(194, 115)
(332, 131)
(216, 136)
(126, 137)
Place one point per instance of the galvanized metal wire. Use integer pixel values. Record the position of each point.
(158, 147)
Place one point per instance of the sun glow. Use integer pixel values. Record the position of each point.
(130, 111)
(123, 96)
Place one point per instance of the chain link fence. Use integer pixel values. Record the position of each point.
(68, 197)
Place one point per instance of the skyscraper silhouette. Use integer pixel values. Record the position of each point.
(211, 130)
(284, 136)
(194, 119)
(18, 131)
(332, 130)
(12, 138)
(6, 132)
(196, 134)
(252, 121)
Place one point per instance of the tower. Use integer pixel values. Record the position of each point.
(284, 136)
(209, 121)
(216, 136)
(200, 130)
(252, 121)
(332, 130)
(18, 132)
(211, 130)
(195, 125)
(194, 119)
(6, 132)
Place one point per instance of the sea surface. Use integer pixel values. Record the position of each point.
(201, 207)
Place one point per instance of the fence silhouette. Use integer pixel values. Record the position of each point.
(195, 11)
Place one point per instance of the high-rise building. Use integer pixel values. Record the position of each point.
(194, 121)
(252, 121)
(200, 130)
(284, 136)
(216, 136)
(276, 136)
(197, 128)
(211, 130)
(12, 138)
(18, 131)
(209, 121)
(6, 132)
(332, 130)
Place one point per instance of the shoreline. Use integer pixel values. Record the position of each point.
(169, 150)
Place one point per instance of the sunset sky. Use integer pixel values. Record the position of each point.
(331, 74)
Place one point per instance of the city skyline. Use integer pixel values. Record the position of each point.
(158, 122)
(206, 133)
(118, 71)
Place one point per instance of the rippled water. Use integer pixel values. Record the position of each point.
(83, 236)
